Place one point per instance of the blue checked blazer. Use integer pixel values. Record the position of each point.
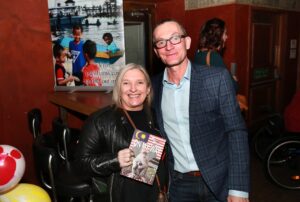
(218, 134)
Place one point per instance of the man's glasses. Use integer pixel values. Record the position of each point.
(173, 40)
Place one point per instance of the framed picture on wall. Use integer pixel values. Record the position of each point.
(87, 43)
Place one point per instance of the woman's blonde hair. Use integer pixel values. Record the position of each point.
(116, 97)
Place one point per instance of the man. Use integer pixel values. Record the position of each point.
(198, 113)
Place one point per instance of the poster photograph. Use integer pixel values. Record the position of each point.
(87, 43)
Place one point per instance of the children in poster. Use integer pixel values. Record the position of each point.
(63, 78)
(111, 46)
(74, 23)
(91, 71)
(76, 53)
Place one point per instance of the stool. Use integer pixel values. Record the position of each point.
(66, 138)
(34, 117)
(59, 176)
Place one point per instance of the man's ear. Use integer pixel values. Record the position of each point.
(155, 50)
(188, 42)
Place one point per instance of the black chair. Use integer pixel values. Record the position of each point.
(59, 176)
(34, 118)
(66, 139)
(67, 143)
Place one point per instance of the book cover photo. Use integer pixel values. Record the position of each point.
(148, 151)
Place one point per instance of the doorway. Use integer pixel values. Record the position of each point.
(264, 80)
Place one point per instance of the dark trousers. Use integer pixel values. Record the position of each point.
(187, 188)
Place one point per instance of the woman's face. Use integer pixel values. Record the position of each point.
(134, 90)
(224, 37)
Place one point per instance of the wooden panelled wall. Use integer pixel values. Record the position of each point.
(26, 58)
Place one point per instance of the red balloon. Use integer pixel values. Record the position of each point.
(12, 167)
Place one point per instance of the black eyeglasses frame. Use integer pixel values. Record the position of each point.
(169, 39)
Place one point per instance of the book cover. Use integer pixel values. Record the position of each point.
(148, 150)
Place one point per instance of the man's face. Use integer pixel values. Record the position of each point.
(171, 55)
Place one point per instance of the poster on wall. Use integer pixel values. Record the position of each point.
(87, 43)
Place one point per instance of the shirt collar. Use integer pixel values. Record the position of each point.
(186, 76)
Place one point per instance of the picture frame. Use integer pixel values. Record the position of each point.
(99, 24)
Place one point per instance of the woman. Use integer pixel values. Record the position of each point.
(106, 135)
(212, 40)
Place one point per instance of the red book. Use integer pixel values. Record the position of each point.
(148, 150)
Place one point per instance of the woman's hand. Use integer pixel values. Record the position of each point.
(125, 157)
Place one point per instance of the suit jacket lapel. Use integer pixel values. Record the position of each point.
(157, 102)
(195, 86)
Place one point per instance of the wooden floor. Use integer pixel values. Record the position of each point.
(262, 190)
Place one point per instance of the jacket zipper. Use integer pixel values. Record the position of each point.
(111, 186)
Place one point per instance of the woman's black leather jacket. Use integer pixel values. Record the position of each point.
(105, 132)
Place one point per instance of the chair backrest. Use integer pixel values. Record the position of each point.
(57, 174)
(46, 161)
(34, 117)
(63, 137)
